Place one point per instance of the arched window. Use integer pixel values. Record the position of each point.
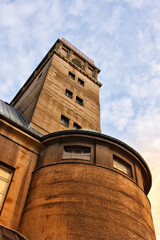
(77, 63)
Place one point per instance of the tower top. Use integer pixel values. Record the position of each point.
(77, 51)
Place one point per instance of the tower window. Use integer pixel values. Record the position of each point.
(71, 75)
(76, 126)
(81, 82)
(68, 93)
(77, 152)
(77, 63)
(5, 179)
(79, 100)
(121, 165)
(64, 120)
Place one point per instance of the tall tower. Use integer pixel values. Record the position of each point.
(60, 178)
(62, 93)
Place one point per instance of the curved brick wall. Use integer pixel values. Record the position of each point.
(83, 200)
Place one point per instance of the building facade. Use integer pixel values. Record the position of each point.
(60, 178)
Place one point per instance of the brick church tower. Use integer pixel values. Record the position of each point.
(60, 177)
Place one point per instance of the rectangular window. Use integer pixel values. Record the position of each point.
(68, 93)
(76, 126)
(121, 165)
(77, 152)
(5, 179)
(79, 100)
(81, 82)
(64, 120)
(71, 75)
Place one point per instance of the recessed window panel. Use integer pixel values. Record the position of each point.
(81, 82)
(71, 75)
(90, 71)
(64, 120)
(64, 52)
(122, 166)
(5, 178)
(79, 100)
(68, 93)
(77, 152)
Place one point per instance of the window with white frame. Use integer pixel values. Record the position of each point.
(5, 179)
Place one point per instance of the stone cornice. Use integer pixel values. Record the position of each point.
(77, 68)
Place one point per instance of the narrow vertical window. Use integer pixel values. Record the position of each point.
(64, 120)
(5, 179)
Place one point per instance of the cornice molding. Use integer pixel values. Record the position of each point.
(77, 68)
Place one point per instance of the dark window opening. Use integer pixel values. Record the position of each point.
(79, 100)
(77, 63)
(76, 126)
(77, 152)
(68, 93)
(64, 120)
(71, 75)
(121, 165)
(81, 82)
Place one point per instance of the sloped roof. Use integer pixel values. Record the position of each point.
(13, 114)
(16, 116)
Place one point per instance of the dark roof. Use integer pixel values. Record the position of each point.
(15, 116)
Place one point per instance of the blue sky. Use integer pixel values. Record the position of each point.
(123, 39)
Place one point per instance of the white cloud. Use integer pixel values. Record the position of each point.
(118, 112)
(123, 38)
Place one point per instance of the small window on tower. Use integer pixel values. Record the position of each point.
(5, 179)
(121, 165)
(71, 75)
(79, 100)
(64, 120)
(68, 93)
(81, 82)
(77, 152)
(76, 126)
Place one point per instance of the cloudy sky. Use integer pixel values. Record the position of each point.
(121, 36)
